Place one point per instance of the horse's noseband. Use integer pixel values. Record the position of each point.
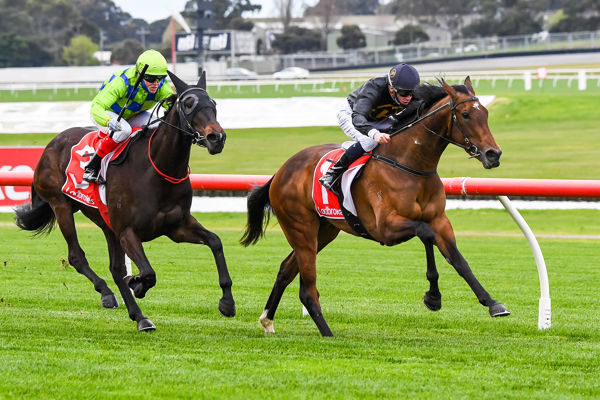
(187, 111)
(472, 149)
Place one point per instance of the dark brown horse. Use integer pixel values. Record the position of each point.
(148, 195)
(397, 199)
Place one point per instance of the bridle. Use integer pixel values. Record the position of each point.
(186, 112)
(472, 149)
(185, 126)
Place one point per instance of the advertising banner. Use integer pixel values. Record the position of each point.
(18, 159)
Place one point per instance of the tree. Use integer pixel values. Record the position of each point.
(410, 34)
(516, 22)
(126, 52)
(228, 13)
(284, 10)
(324, 10)
(296, 39)
(80, 51)
(17, 51)
(352, 37)
(344, 7)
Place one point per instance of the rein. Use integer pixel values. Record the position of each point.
(186, 129)
(167, 177)
(469, 147)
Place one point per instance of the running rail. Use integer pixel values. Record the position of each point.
(499, 187)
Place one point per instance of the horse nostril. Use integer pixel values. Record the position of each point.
(493, 155)
(215, 137)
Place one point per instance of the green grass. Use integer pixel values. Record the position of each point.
(57, 342)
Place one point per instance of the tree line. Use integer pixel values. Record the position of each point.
(462, 18)
(68, 32)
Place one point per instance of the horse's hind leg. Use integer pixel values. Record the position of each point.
(192, 231)
(66, 223)
(119, 271)
(287, 272)
(309, 295)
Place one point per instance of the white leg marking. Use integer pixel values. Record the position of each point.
(266, 322)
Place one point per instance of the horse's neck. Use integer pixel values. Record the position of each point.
(418, 148)
(170, 150)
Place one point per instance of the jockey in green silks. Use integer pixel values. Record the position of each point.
(111, 99)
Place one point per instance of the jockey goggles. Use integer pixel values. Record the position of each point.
(403, 92)
(154, 78)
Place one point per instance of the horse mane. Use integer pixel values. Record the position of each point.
(430, 93)
(425, 96)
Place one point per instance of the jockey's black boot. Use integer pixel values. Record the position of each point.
(351, 154)
(92, 170)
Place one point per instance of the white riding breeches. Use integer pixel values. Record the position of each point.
(345, 121)
(140, 119)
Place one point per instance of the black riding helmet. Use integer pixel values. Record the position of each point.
(403, 77)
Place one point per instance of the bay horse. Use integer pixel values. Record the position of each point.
(148, 195)
(396, 200)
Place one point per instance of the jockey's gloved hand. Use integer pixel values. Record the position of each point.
(379, 137)
(114, 125)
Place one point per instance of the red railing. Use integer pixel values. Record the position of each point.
(453, 186)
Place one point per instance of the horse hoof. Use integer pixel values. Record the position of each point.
(498, 310)
(227, 308)
(145, 325)
(110, 301)
(136, 285)
(433, 303)
(266, 323)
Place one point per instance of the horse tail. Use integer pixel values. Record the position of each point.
(259, 213)
(35, 216)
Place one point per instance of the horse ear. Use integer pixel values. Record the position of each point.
(180, 86)
(469, 85)
(449, 89)
(202, 81)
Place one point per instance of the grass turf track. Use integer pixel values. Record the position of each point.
(57, 342)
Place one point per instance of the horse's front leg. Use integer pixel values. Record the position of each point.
(146, 279)
(191, 231)
(446, 243)
(433, 297)
(119, 271)
(402, 229)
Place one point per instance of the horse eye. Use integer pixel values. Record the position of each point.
(188, 105)
(465, 115)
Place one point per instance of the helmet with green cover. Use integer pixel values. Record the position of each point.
(157, 65)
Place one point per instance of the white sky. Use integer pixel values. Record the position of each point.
(153, 10)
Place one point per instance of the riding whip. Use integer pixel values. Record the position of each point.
(137, 83)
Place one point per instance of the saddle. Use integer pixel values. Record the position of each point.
(93, 194)
(327, 204)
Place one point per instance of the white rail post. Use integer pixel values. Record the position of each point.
(544, 312)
